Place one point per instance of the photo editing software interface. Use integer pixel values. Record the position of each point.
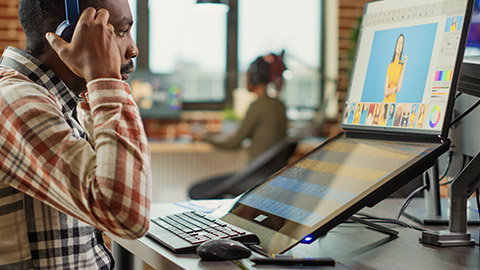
(402, 73)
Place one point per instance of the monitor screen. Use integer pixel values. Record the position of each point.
(406, 65)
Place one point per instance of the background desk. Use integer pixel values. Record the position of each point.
(178, 165)
(353, 245)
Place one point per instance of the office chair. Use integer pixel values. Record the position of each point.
(257, 171)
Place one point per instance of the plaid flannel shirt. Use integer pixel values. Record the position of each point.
(58, 189)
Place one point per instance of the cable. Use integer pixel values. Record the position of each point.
(387, 220)
(463, 167)
(408, 200)
(465, 113)
(458, 95)
(477, 195)
(450, 154)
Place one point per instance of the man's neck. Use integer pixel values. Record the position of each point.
(53, 62)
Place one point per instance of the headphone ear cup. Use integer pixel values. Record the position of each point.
(65, 30)
(254, 77)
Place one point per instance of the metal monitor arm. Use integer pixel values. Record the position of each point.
(460, 190)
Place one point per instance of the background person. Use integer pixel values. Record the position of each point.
(265, 122)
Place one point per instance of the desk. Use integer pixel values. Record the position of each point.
(176, 166)
(353, 245)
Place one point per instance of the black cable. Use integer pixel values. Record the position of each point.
(447, 183)
(388, 220)
(450, 154)
(477, 195)
(465, 113)
(408, 200)
(464, 161)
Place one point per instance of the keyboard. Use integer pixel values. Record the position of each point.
(184, 232)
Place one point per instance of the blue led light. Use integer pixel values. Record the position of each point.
(307, 240)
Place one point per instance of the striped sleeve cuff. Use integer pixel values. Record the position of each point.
(107, 91)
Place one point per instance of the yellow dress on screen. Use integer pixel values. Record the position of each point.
(453, 27)
(382, 121)
(393, 73)
(412, 119)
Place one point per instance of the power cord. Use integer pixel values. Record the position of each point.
(449, 162)
(464, 113)
(463, 166)
(458, 95)
(408, 200)
(477, 195)
(376, 219)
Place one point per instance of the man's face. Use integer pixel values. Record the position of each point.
(122, 21)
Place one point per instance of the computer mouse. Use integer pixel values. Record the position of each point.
(223, 249)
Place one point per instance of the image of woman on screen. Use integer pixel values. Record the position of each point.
(454, 24)
(391, 115)
(376, 114)
(398, 115)
(358, 112)
(412, 116)
(383, 115)
(395, 71)
(363, 117)
(347, 112)
(421, 116)
(405, 115)
(371, 110)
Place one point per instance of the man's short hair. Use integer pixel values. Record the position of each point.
(38, 17)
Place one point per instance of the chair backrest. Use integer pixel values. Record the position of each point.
(269, 162)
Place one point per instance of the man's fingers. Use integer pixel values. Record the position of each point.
(102, 16)
(56, 42)
(87, 15)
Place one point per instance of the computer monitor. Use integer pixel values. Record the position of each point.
(403, 77)
(155, 96)
(473, 41)
(350, 171)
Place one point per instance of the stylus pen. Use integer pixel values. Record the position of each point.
(294, 261)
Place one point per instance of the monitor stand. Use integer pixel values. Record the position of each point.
(433, 210)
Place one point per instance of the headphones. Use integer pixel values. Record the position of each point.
(259, 72)
(72, 11)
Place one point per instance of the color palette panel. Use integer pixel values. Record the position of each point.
(443, 76)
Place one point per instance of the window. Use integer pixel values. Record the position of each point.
(188, 49)
(133, 7)
(294, 26)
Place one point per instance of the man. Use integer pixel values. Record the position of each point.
(69, 172)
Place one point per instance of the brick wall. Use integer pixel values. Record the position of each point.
(11, 33)
(349, 13)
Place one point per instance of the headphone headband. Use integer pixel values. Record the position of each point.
(72, 10)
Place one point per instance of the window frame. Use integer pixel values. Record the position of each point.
(232, 75)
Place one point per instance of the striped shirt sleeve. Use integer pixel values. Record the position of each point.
(104, 181)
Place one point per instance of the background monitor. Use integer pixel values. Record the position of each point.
(473, 41)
